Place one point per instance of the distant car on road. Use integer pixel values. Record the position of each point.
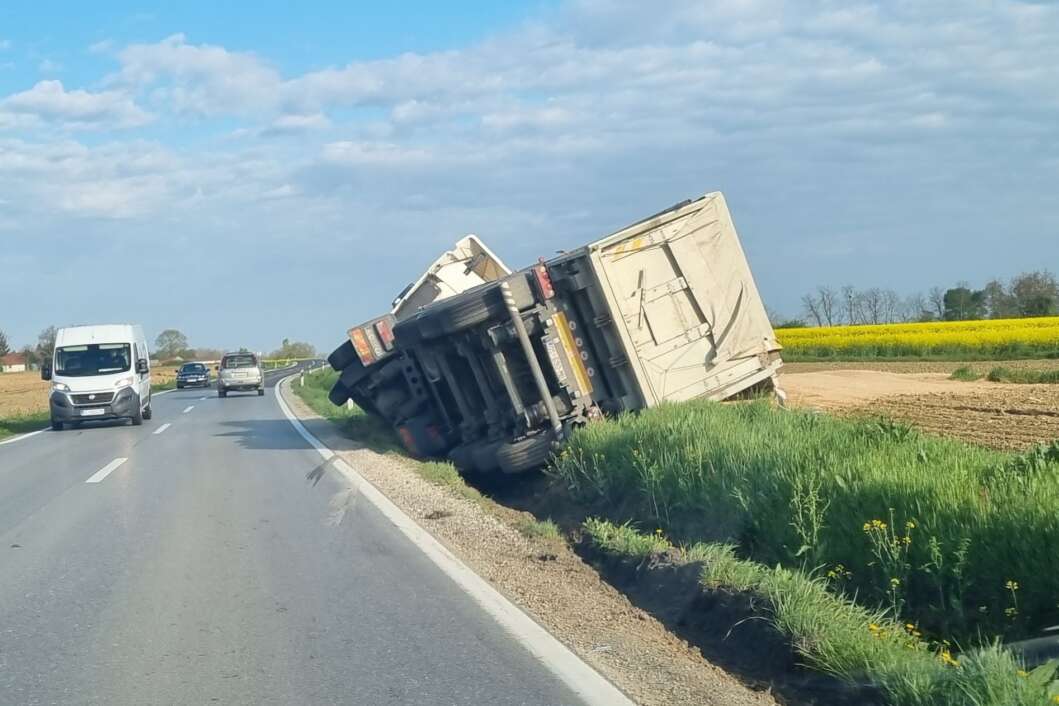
(193, 375)
(240, 371)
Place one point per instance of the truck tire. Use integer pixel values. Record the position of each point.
(525, 454)
(409, 332)
(353, 373)
(339, 394)
(473, 307)
(342, 356)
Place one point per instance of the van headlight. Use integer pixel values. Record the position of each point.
(60, 387)
(123, 382)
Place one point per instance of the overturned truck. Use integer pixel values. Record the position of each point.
(493, 368)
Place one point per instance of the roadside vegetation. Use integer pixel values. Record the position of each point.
(858, 645)
(888, 559)
(1018, 376)
(22, 424)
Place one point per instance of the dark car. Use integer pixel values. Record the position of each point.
(193, 375)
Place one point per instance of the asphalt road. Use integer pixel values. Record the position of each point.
(222, 563)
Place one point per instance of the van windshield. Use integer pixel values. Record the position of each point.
(93, 359)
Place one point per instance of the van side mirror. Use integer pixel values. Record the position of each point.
(45, 371)
(141, 366)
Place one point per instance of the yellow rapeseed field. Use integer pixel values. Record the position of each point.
(999, 338)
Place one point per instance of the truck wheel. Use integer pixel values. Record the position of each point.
(339, 394)
(473, 307)
(353, 373)
(342, 356)
(526, 454)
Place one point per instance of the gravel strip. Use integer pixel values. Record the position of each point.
(551, 583)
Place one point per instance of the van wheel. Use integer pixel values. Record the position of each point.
(147, 411)
(222, 392)
(56, 425)
(137, 417)
(260, 392)
(526, 454)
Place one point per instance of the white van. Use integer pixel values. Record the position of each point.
(99, 372)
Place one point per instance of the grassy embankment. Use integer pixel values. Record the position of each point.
(996, 339)
(374, 433)
(889, 550)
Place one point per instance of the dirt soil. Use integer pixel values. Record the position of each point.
(549, 581)
(1003, 416)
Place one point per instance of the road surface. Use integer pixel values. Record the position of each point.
(209, 557)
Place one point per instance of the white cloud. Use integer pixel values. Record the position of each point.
(204, 79)
(49, 102)
(296, 125)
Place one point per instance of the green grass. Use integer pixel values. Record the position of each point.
(965, 374)
(1024, 377)
(838, 637)
(355, 422)
(931, 529)
(539, 529)
(374, 433)
(22, 424)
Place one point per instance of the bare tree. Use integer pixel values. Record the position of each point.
(812, 309)
(827, 298)
(936, 298)
(872, 305)
(849, 301)
(891, 306)
(916, 308)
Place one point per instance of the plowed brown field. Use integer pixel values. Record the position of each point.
(992, 414)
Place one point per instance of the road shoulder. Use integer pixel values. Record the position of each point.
(547, 581)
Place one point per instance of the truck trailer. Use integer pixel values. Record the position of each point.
(496, 376)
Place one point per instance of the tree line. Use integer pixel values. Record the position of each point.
(169, 345)
(1028, 294)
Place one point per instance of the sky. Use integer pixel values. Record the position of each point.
(246, 175)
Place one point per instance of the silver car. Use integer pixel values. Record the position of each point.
(240, 371)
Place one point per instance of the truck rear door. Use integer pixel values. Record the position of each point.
(685, 303)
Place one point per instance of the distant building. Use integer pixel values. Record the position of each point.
(13, 363)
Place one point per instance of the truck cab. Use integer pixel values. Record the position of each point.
(99, 372)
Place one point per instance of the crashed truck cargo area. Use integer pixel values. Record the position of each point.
(493, 368)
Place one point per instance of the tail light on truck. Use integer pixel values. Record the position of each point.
(544, 281)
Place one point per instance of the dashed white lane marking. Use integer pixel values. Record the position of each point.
(106, 470)
(162, 428)
(203, 398)
(188, 408)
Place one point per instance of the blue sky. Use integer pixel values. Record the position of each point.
(249, 176)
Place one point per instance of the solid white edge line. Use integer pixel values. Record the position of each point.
(20, 437)
(106, 470)
(162, 428)
(560, 660)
